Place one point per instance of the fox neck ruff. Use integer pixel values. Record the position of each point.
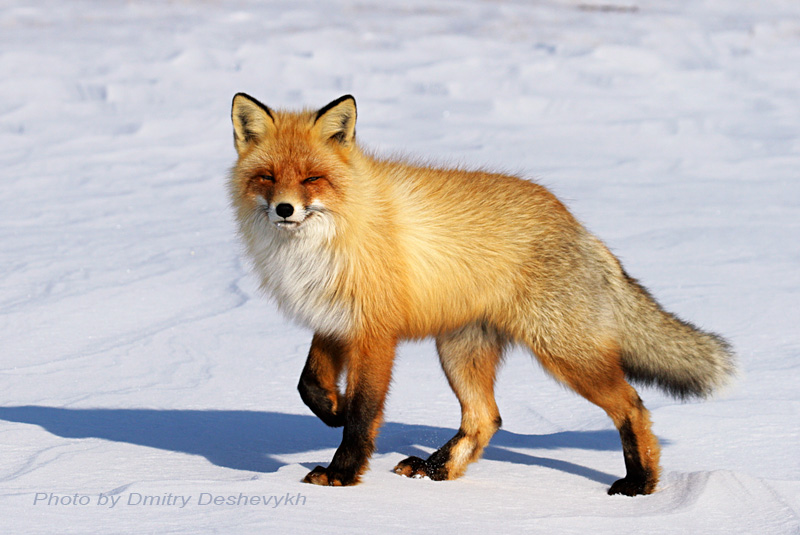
(300, 269)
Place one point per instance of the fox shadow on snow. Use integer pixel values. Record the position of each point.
(248, 440)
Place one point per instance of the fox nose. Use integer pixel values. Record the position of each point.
(284, 210)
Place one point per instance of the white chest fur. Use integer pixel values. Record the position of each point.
(300, 270)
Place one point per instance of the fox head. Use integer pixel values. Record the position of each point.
(292, 166)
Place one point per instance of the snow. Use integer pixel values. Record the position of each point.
(139, 360)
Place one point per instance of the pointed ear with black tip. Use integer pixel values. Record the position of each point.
(336, 122)
(252, 122)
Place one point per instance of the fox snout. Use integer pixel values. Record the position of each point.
(286, 215)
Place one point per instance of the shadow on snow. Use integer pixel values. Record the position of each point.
(249, 440)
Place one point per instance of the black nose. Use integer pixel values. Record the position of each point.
(284, 209)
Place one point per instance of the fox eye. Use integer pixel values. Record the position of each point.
(265, 178)
(311, 179)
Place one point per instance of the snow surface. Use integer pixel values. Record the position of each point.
(139, 360)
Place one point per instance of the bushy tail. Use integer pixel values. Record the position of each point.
(660, 349)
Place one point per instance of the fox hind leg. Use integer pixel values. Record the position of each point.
(602, 381)
(470, 357)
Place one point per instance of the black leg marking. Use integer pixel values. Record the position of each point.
(435, 466)
(638, 480)
(358, 443)
(318, 399)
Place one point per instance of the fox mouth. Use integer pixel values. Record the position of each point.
(283, 223)
(287, 225)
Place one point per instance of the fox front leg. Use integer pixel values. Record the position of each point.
(318, 382)
(369, 369)
(470, 357)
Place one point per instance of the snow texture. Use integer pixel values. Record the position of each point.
(142, 369)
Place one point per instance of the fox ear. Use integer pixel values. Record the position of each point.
(336, 122)
(252, 122)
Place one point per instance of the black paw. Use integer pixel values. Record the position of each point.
(327, 406)
(631, 487)
(419, 468)
(330, 478)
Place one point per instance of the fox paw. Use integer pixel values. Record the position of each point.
(329, 478)
(418, 468)
(327, 405)
(632, 487)
(411, 467)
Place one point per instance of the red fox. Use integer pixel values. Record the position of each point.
(368, 252)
